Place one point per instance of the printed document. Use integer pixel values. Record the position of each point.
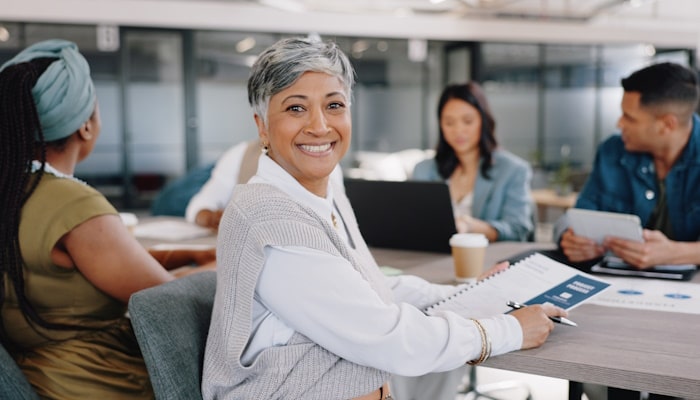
(170, 230)
(536, 279)
(651, 294)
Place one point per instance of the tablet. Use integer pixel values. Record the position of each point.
(599, 224)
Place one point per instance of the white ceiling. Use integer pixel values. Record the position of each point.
(666, 23)
(687, 11)
(579, 10)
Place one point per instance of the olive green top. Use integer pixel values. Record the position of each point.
(84, 363)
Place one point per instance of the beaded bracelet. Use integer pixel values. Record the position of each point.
(485, 344)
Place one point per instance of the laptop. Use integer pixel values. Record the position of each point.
(409, 215)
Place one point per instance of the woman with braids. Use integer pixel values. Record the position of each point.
(68, 264)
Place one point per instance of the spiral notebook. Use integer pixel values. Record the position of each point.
(536, 279)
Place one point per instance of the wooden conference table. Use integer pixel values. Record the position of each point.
(650, 351)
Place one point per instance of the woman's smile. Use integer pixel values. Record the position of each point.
(317, 149)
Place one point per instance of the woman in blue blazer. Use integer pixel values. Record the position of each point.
(490, 187)
(490, 190)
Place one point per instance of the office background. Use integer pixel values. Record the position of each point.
(171, 75)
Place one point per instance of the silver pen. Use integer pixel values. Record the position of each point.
(559, 320)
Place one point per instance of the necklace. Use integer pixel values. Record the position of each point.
(345, 225)
(49, 169)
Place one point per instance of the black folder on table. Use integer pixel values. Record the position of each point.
(610, 265)
(409, 215)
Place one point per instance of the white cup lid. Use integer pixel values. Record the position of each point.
(469, 240)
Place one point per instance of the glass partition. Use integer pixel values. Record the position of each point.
(161, 116)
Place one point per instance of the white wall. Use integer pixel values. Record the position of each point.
(106, 157)
(225, 118)
(515, 112)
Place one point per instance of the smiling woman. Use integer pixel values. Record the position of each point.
(302, 310)
(308, 129)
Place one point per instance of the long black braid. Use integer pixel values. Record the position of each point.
(19, 145)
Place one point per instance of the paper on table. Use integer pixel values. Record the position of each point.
(170, 230)
(536, 279)
(651, 294)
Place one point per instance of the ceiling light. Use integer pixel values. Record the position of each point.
(382, 46)
(4, 34)
(314, 37)
(650, 50)
(245, 44)
(360, 46)
(437, 1)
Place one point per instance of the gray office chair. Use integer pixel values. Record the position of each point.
(13, 383)
(171, 322)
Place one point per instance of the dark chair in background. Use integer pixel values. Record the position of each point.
(173, 198)
(13, 384)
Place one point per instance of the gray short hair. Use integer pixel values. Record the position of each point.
(281, 64)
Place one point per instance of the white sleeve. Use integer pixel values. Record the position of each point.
(216, 192)
(327, 300)
(417, 291)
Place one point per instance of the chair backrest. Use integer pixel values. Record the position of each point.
(13, 383)
(171, 322)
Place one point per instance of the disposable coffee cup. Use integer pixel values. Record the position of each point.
(468, 250)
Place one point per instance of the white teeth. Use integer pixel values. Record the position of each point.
(315, 149)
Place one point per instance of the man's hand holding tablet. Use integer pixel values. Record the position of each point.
(583, 241)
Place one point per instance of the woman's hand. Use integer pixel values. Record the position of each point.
(535, 323)
(203, 257)
(501, 266)
(209, 218)
(175, 258)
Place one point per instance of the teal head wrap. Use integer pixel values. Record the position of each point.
(64, 94)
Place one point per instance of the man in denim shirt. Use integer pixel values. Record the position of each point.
(652, 169)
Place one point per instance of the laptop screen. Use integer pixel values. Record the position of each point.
(409, 215)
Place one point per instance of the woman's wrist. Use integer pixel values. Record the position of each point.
(462, 223)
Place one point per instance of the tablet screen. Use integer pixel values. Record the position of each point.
(599, 224)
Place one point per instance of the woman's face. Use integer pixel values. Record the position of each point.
(309, 129)
(461, 125)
